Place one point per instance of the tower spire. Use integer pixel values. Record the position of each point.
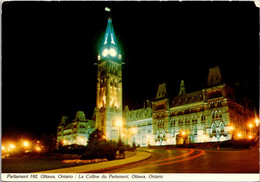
(109, 48)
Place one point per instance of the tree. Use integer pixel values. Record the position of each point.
(96, 137)
(99, 148)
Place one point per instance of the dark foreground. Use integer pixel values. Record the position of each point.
(29, 165)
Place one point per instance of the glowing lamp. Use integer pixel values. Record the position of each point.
(65, 142)
(183, 133)
(250, 125)
(239, 135)
(26, 144)
(250, 137)
(38, 149)
(12, 146)
(3, 147)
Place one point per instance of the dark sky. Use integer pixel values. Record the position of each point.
(49, 50)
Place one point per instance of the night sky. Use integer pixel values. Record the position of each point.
(49, 50)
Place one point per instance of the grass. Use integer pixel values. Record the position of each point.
(34, 164)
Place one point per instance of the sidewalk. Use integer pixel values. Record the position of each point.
(102, 165)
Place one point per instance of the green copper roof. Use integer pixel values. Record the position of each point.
(110, 38)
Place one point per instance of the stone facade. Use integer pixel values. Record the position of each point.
(207, 115)
(76, 131)
(108, 111)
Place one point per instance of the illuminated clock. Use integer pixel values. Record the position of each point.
(105, 52)
(112, 52)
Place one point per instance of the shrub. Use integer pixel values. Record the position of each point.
(104, 149)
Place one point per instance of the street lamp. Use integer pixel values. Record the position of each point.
(12, 146)
(26, 144)
(38, 149)
(64, 142)
(239, 135)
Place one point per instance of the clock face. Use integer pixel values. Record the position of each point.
(113, 52)
(105, 52)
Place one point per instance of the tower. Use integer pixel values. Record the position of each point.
(109, 86)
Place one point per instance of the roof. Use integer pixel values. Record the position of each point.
(110, 38)
(187, 99)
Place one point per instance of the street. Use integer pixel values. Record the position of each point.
(194, 161)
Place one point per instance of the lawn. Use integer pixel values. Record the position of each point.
(34, 164)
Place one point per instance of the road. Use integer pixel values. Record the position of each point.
(195, 161)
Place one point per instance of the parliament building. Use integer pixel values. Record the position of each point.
(208, 115)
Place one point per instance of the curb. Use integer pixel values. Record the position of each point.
(102, 166)
(118, 166)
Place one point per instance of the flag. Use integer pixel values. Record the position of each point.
(107, 9)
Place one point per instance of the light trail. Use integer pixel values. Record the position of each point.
(193, 157)
(178, 156)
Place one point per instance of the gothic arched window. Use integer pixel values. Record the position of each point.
(216, 115)
(213, 128)
(212, 115)
(220, 114)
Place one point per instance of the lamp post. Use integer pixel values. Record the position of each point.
(239, 135)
